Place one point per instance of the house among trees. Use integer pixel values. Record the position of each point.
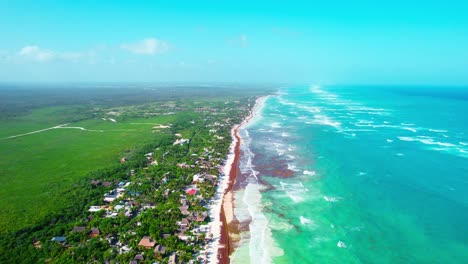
(106, 184)
(147, 242)
(191, 191)
(95, 182)
(94, 208)
(94, 232)
(77, 229)
(111, 196)
(160, 250)
(37, 244)
(199, 217)
(184, 210)
(59, 239)
(184, 224)
(113, 241)
(210, 177)
(173, 258)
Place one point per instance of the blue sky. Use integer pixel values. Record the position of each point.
(324, 42)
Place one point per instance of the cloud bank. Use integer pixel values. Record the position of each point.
(35, 53)
(149, 46)
(239, 41)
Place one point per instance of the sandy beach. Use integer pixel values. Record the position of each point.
(222, 211)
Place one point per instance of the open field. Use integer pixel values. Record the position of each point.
(36, 168)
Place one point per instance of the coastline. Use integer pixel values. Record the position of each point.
(221, 211)
(227, 204)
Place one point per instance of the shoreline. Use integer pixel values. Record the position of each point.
(225, 247)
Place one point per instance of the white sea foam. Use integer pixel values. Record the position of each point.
(438, 130)
(279, 225)
(360, 124)
(283, 101)
(292, 167)
(280, 148)
(341, 244)
(410, 129)
(389, 140)
(363, 121)
(295, 191)
(356, 228)
(262, 247)
(366, 109)
(311, 109)
(276, 125)
(357, 130)
(463, 143)
(348, 134)
(306, 221)
(245, 165)
(324, 120)
(426, 140)
(332, 199)
(406, 139)
(307, 172)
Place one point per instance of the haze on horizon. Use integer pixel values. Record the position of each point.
(364, 42)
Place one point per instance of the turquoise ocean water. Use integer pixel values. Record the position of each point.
(379, 175)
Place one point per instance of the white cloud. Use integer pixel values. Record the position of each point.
(243, 40)
(240, 41)
(36, 53)
(72, 56)
(149, 46)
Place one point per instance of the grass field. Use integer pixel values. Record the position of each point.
(36, 168)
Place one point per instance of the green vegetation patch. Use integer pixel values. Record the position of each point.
(35, 168)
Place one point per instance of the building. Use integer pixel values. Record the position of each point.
(59, 239)
(94, 208)
(160, 250)
(147, 242)
(173, 258)
(107, 184)
(94, 232)
(78, 229)
(191, 191)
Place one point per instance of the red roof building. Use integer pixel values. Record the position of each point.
(191, 191)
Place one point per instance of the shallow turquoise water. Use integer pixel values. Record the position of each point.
(380, 176)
